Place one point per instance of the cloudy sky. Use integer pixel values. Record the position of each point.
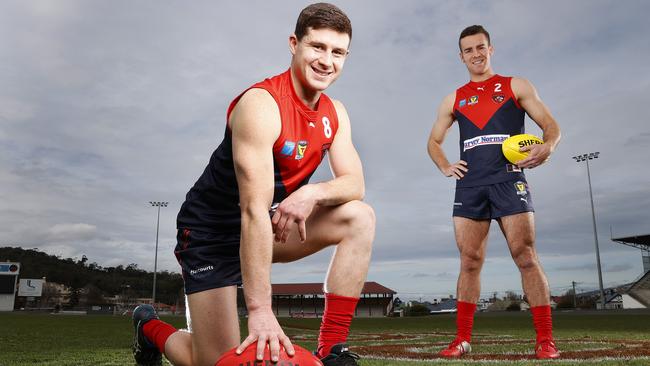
(106, 105)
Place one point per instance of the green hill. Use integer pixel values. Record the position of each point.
(110, 281)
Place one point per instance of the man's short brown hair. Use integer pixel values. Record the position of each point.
(472, 30)
(322, 15)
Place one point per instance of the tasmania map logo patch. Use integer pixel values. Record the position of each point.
(302, 146)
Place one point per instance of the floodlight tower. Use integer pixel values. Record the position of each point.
(586, 158)
(158, 204)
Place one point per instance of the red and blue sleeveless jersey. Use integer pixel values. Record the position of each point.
(212, 204)
(487, 113)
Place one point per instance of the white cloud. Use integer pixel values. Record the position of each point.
(71, 232)
(14, 110)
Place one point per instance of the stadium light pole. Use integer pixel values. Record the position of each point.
(575, 303)
(586, 158)
(158, 204)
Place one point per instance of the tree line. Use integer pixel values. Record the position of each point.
(76, 274)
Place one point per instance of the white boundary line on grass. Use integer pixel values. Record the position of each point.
(490, 361)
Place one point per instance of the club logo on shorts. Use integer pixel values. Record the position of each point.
(498, 98)
(521, 188)
(522, 191)
(287, 149)
(473, 99)
(302, 146)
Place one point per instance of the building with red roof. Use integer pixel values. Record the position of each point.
(307, 300)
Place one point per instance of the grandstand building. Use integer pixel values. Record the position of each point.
(638, 294)
(307, 300)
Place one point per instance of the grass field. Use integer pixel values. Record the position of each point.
(585, 338)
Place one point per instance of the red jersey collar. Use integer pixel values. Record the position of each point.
(308, 112)
(479, 83)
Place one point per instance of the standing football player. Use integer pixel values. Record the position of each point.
(490, 108)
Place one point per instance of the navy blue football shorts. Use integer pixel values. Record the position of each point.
(493, 201)
(208, 260)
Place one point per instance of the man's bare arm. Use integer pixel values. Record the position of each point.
(444, 121)
(536, 109)
(255, 124)
(348, 183)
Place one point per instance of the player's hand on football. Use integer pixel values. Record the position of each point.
(264, 328)
(538, 154)
(456, 170)
(293, 212)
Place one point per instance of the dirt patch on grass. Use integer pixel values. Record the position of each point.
(610, 348)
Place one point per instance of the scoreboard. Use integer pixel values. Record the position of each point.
(8, 279)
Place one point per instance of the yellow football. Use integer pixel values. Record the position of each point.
(512, 144)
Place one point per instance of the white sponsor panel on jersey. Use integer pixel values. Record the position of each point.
(484, 140)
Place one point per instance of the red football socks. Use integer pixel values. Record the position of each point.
(465, 320)
(335, 326)
(157, 332)
(542, 322)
